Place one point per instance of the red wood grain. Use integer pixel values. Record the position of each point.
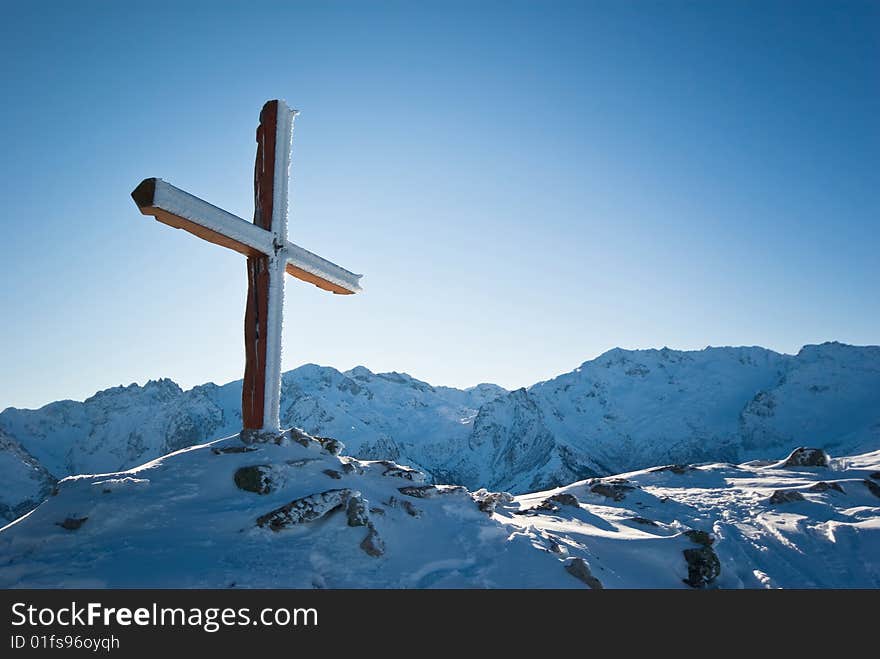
(256, 313)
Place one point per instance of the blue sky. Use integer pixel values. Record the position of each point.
(524, 185)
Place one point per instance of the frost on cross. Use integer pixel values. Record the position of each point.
(269, 255)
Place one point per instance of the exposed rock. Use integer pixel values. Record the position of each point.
(786, 496)
(700, 537)
(398, 471)
(356, 511)
(419, 491)
(255, 478)
(226, 450)
(807, 457)
(306, 509)
(675, 469)
(553, 503)
(377, 511)
(72, 523)
(644, 520)
(613, 488)
(578, 568)
(410, 509)
(554, 545)
(875, 475)
(332, 446)
(351, 467)
(332, 473)
(487, 501)
(703, 566)
(872, 487)
(253, 436)
(823, 486)
(372, 544)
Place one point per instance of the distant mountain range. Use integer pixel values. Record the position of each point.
(622, 411)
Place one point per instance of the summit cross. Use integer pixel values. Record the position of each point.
(269, 255)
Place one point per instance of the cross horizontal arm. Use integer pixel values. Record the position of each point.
(302, 264)
(179, 209)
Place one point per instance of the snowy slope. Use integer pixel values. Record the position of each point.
(624, 410)
(26, 482)
(631, 409)
(298, 515)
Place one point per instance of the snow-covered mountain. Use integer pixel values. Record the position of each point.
(297, 513)
(622, 411)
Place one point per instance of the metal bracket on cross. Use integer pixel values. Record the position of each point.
(269, 255)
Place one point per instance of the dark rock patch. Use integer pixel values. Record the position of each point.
(410, 509)
(613, 488)
(332, 473)
(253, 436)
(332, 446)
(233, 449)
(555, 502)
(72, 523)
(700, 537)
(255, 478)
(703, 566)
(356, 511)
(306, 509)
(419, 491)
(487, 501)
(807, 457)
(554, 545)
(394, 470)
(872, 487)
(295, 435)
(372, 544)
(875, 475)
(578, 568)
(823, 486)
(675, 469)
(644, 521)
(786, 496)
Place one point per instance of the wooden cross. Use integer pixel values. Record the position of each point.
(269, 256)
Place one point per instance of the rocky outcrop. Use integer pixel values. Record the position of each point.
(675, 469)
(700, 537)
(554, 502)
(306, 509)
(703, 566)
(785, 496)
(578, 568)
(807, 457)
(613, 488)
(487, 501)
(72, 523)
(823, 486)
(254, 478)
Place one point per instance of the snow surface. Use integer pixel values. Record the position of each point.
(181, 521)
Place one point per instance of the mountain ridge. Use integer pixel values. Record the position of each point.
(624, 410)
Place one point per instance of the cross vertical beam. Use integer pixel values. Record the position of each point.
(261, 389)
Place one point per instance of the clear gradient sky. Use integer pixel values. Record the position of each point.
(525, 185)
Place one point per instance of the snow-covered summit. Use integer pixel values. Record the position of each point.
(297, 513)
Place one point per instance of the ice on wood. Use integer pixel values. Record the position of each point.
(269, 254)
